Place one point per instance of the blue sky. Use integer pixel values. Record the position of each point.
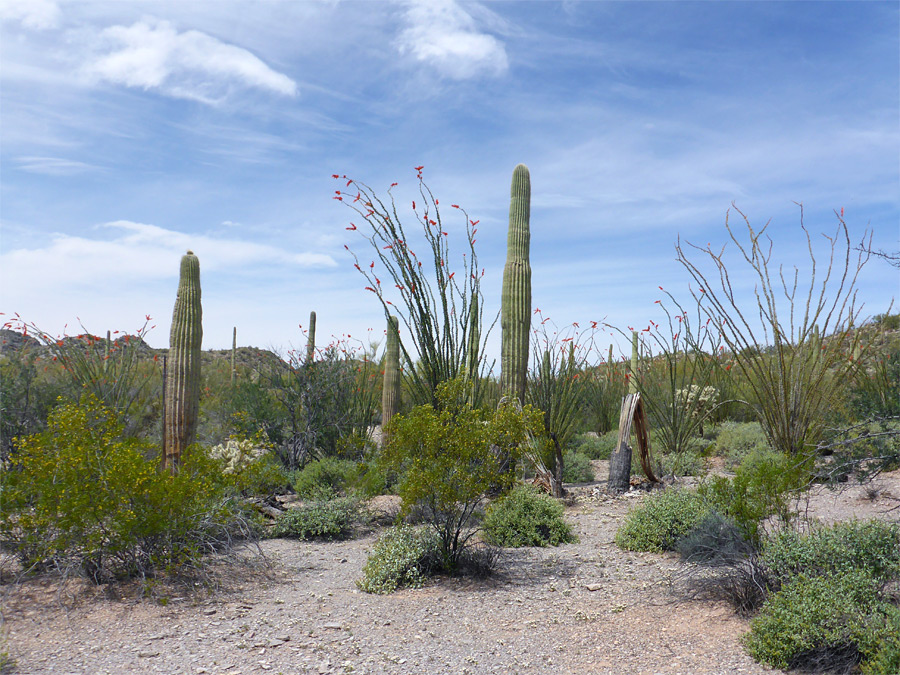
(131, 131)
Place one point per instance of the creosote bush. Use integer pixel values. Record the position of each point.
(736, 440)
(326, 476)
(526, 517)
(81, 498)
(685, 463)
(447, 457)
(321, 519)
(402, 557)
(577, 468)
(761, 488)
(596, 446)
(662, 519)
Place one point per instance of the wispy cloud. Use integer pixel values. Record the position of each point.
(153, 55)
(53, 166)
(33, 14)
(444, 35)
(138, 251)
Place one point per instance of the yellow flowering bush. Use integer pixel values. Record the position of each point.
(80, 496)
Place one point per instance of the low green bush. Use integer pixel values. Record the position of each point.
(81, 498)
(824, 622)
(736, 440)
(577, 468)
(687, 463)
(886, 657)
(596, 447)
(323, 477)
(761, 488)
(526, 517)
(663, 518)
(321, 519)
(402, 557)
(872, 546)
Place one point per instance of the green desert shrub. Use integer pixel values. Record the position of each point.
(687, 463)
(823, 622)
(736, 440)
(577, 468)
(402, 557)
(872, 546)
(326, 476)
(321, 519)
(761, 488)
(80, 497)
(663, 519)
(886, 656)
(594, 446)
(448, 456)
(526, 517)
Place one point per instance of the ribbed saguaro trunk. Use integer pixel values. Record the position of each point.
(515, 307)
(390, 393)
(473, 348)
(182, 395)
(311, 341)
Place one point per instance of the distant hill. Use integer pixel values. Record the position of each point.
(13, 343)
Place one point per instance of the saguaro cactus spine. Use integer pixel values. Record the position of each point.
(515, 307)
(182, 395)
(390, 393)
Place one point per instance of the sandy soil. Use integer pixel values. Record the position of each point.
(580, 608)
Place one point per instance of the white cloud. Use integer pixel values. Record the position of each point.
(53, 166)
(444, 35)
(34, 14)
(152, 54)
(137, 252)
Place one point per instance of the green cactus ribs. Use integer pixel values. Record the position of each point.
(182, 392)
(515, 308)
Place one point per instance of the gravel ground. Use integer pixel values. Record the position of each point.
(580, 608)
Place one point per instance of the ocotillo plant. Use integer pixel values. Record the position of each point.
(311, 339)
(515, 308)
(792, 394)
(390, 395)
(435, 300)
(182, 395)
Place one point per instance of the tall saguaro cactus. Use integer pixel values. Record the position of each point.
(390, 394)
(311, 339)
(515, 307)
(182, 394)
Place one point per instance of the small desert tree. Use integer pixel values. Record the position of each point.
(444, 457)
